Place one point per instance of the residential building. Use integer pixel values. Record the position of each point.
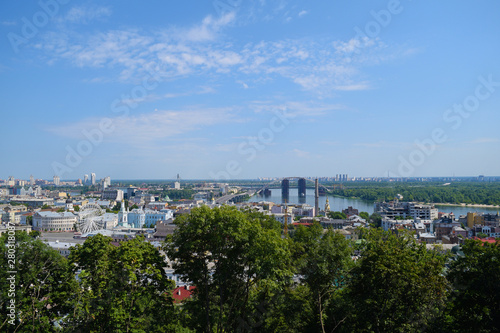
(4, 228)
(350, 211)
(63, 248)
(112, 194)
(425, 212)
(474, 219)
(164, 228)
(395, 209)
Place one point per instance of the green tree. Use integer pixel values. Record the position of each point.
(43, 283)
(397, 286)
(324, 269)
(365, 215)
(337, 215)
(226, 254)
(118, 206)
(475, 299)
(76, 208)
(122, 289)
(376, 220)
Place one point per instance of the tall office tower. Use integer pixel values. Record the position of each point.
(32, 180)
(92, 178)
(57, 180)
(85, 179)
(302, 187)
(107, 181)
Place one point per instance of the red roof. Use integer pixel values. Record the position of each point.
(490, 240)
(305, 224)
(182, 293)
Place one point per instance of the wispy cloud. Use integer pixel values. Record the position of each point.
(296, 109)
(300, 153)
(208, 29)
(383, 144)
(150, 127)
(484, 140)
(321, 67)
(84, 15)
(302, 13)
(156, 97)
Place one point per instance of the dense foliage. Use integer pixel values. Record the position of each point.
(177, 194)
(454, 193)
(249, 277)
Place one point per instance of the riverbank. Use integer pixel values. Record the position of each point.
(467, 205)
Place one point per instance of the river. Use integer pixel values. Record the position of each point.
(338, 203)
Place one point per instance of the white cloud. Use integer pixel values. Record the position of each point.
(156, 97)
(321, 67)
(208, 29)
(81, 14)
(302, 13)
(301, 153)
(296, 109)
(245, 86)
(484, 140)
(150, 127)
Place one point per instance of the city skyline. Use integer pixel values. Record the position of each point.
(242, 90)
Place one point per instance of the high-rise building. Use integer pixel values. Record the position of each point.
(85, 179)
(57, 180)
(106, 182)
(32, 180)
(92, 178)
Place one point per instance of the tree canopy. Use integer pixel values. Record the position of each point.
(250, 277)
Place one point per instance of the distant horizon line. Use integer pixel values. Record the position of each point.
(259, 178)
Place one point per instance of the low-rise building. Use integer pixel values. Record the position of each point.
(112, 195)
(164, 228)
(63, 248)
(26, 228)
(53, 221)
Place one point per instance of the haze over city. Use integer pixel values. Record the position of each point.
(249, 89)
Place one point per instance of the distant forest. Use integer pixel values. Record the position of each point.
(454, 193)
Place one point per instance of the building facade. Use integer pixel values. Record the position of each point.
(52, 221)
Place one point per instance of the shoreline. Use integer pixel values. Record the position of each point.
(466, 205)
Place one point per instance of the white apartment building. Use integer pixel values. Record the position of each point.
(424, 212)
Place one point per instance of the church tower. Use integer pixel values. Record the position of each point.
(123, 215)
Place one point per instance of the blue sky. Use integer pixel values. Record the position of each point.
(247, 89)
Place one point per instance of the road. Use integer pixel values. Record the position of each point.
(228, 197)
